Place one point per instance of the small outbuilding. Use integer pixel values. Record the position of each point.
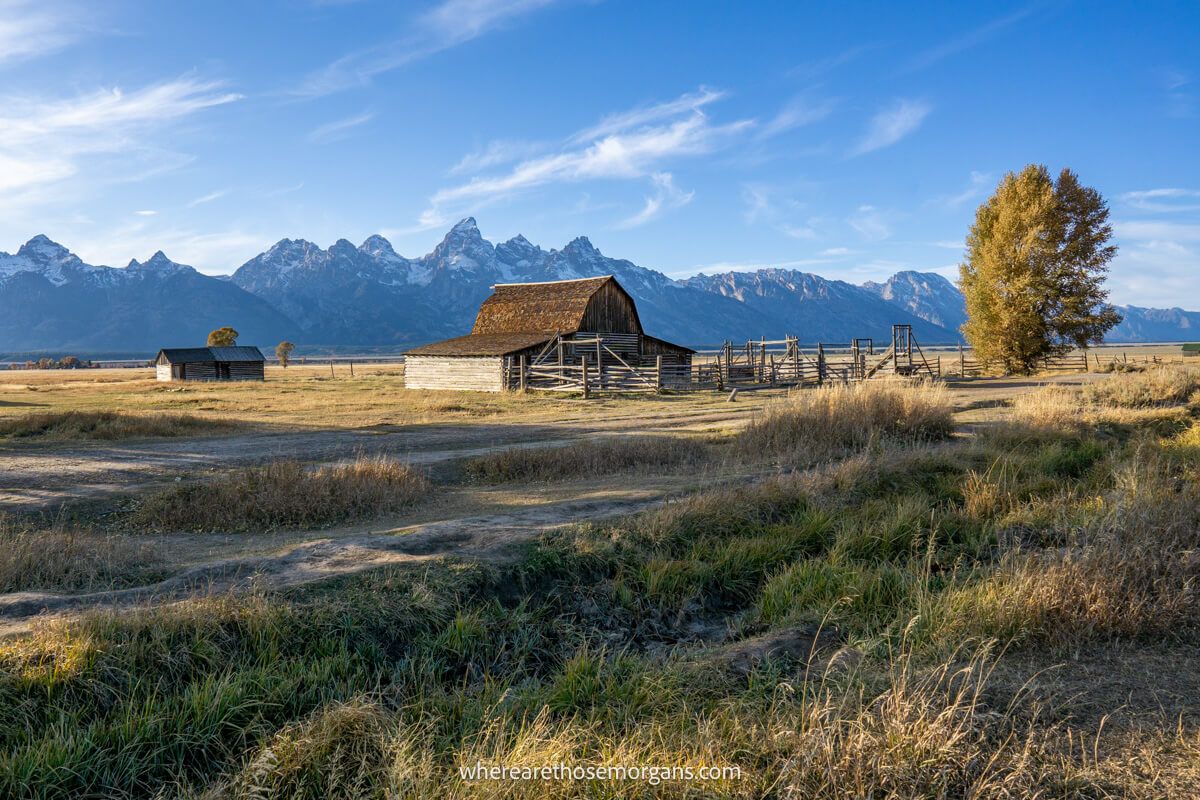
(1191, 349)
(210, 364)
(554, 332)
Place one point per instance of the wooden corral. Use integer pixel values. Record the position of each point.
(578, 335)
(209, 364)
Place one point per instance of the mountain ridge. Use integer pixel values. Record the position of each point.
(369, 295)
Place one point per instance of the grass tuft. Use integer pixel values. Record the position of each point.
(584, 459)
(284, 494)
(56, 560)
(814, 424)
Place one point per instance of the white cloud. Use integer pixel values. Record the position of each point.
(667, 195)
(43, 141)
(770, 206)
(628, 148)
(339, 129)
(146, 213)
(871, 223)
(30, 30)
(892, 124)
(448, 24)
(208, 198)
(216, 253)
(1163, 199)
(836, 251)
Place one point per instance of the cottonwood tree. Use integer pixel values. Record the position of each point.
(1034, 273)
(223, 337)
(283, 351)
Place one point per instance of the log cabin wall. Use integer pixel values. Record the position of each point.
(611, 310)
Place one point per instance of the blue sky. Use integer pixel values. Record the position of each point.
(851, 140)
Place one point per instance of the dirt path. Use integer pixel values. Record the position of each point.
(491, 536)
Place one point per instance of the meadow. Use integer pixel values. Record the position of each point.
(870, 597)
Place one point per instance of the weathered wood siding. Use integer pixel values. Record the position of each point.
(472, 373)
(611, 310)
(211, 371)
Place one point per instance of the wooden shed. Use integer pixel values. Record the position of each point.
(210, 364)
(556, 324)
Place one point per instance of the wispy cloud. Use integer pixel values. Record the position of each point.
(777, 209)
(976, 186)
(627, 146)
(1167, 199)
(1181, 101)
(146, 213)
(871, 223)
(214, 252)
(494, 154)
(448, 24)
(892, 124)
(208, 198)
(1157, 230)
(796, 113)
(44, 141)
(339, 129)
(820, 67)
(969, 39)
(32, 29)
(666, 195)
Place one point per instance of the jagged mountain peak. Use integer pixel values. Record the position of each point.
(44, 250)
(581, 246)
(377, 245)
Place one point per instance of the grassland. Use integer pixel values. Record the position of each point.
(922, 582)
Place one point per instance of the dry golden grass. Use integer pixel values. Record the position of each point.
(820, 423)
(75, 425)
(284, 494)
(304, 396)
(37, 559)
(588, 458)
(1157, 386)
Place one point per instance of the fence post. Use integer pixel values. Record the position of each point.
(962, 369)
(331, 367)
(521, 373)
(939, 366)
(820, 364)
(583, 363)
(351, 368)
(658, 383)
(1085, 360)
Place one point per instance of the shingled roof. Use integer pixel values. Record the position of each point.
(553, 307)
(190, 355)
(483, 344)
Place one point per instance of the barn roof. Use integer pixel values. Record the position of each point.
(180, 355)
(483, 344)
(551, 307)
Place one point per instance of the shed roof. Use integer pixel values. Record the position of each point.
(552, 307)
(179, 355)
(1191, 347)
(483, 344)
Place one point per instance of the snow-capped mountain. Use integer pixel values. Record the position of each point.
(51, 300)
(923, 294)
(370, 295)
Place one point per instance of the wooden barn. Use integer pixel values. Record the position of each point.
(209, 364)
(553, 335)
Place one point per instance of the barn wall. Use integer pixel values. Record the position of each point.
(611, 310)
(162, 372)
(472, 373)
(246, 371)
(200, 371)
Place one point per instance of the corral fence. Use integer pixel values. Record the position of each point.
(594, 365)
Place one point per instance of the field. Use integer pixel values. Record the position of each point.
(333, 587)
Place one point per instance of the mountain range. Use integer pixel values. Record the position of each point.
(370, 296)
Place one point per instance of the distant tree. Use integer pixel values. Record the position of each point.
(283, 351)
(1033, 278)
(223, 337)
(69, 362)
(45, 363)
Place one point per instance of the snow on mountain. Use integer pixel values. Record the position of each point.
(927, 295)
